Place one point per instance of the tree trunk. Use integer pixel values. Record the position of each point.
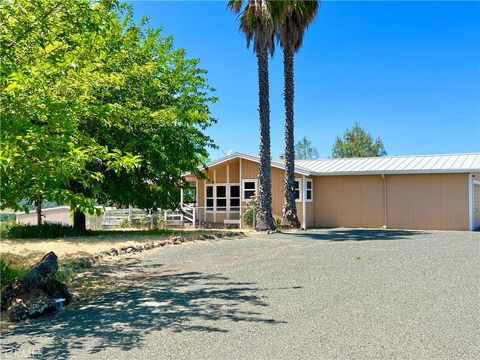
(79, 221)
(264, 218)
(289, 213)
(38, 204)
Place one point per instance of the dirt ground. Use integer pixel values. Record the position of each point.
(69, 248)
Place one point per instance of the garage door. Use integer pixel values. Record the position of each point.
(476, 206)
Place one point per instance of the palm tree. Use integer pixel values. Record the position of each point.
(291, 18)
(257, 24)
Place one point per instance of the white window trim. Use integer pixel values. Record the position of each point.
(311, 190)
(300, 188)
(228, 197)
(213, 197)
(216, 198)
(243, 188)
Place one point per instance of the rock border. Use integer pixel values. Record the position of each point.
(174, 240)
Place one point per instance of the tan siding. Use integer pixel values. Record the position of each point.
(348, 201)
(220, 174)
(234, 171)
(249, 169)
(428, 201)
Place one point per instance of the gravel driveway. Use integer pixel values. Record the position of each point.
(326, 294)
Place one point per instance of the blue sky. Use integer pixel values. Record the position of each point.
(408, 72)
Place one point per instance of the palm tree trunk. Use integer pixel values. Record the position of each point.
(289, 214)
(264, 218)
(38, 205)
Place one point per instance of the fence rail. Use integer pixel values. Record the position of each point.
(188, 216)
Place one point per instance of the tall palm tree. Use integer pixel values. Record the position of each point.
(291, 18)
(257, 24)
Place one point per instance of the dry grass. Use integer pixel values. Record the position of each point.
(69, 248)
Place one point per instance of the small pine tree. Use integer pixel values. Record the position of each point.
(356, 142)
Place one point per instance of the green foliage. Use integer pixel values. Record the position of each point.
(5, 227)
(248, 216)
(291, 19)
(278, 222)
(125, 224)
(356, 142)
(9, 271)
(44, 231)
(95, 107)
(304, 150)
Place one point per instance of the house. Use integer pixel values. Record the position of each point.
(431, 192)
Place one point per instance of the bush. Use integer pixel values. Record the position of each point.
(46, 230)
(9, 271)
(249, 214)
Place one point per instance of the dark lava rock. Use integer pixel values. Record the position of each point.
(30, 305)
(35, 293)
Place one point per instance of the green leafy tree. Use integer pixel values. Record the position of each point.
(256, 23)
(43, 87)
(160, 109)
(96, 107)
(356, 142)
(304, 150)
(291, 18)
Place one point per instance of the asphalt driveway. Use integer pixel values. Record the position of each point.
(327, 294)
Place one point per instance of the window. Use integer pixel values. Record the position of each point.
(234, 197)
(221, 199)
(249, 189)
(209, 197)
(309, 191)
(297, 190)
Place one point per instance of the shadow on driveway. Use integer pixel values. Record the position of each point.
(122, 317)
(358, 234)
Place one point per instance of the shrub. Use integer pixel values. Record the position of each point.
(125, 224)
(9, 271)
(46, 230)
(5, 227)
(278, 222)
(249, 214)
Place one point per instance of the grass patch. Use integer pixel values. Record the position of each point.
(9, 270)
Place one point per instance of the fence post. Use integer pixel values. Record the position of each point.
(194, 218)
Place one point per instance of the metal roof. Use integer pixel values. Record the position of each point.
(417, 164)
(414, 164)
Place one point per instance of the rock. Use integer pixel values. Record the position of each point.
(30, 305)
(112, 252)
(35, 293)
(177, 240)
(58, 290)
(42, 273)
